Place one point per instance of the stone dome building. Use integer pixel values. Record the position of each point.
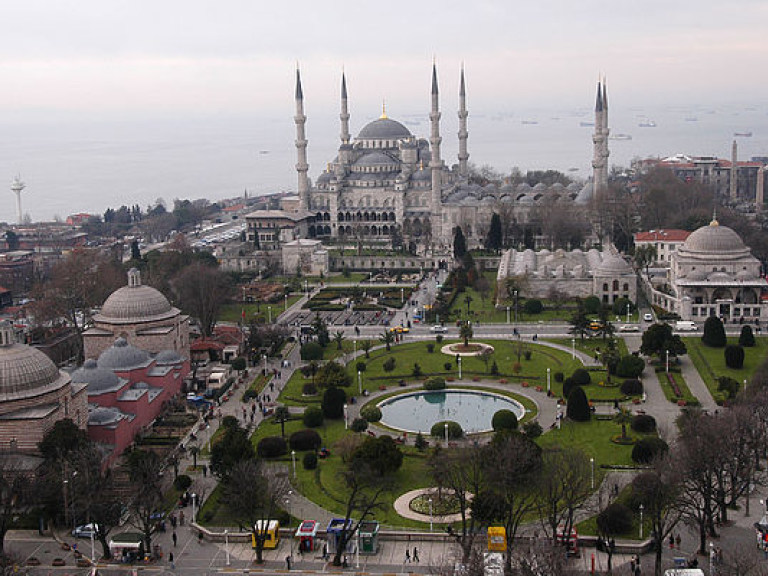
(34, 395)
(712, 274)
(142, 316)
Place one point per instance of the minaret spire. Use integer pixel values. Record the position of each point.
(436, 164)
(302, 167)
(734, 188)
(600, 140)
(344, 116)
(463, 134)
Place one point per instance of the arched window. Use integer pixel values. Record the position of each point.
(615, 285)
(605, 287)
(626, 287)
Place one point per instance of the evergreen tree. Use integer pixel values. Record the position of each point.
(714, 333)
(495, 237)
(459, 243)
(578, 406)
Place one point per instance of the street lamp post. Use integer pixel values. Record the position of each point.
(93, 549)
(430, 514)
(293, 461)
(446, 432)
(507, 314)
(402, 295)
(667, 364)
(66, 502)
(194, 506)
(265, 365)
(269, 309)
(641, 521)
(515, 306)
(711, 559)
(459, 361)
(346, 417)
(592, 466)
(290, 535)
(359, 382)
(286, 302)
(627, 312)
(548, 386)
(573, 348)
(226, 544)
(354, 342)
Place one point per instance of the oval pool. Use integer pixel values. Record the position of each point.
(472, 409)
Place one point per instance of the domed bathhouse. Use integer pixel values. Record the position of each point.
(34, 395)
(141, 315)
(712, 274)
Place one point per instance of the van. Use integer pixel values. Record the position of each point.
(684, 572)
(685, 326)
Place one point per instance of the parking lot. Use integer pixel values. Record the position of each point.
(341, 318)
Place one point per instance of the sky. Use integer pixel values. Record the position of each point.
(143, 58)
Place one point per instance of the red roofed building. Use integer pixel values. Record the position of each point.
(666, 243)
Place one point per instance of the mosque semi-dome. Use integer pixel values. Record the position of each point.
(25, 372)
(168, 358)
(714, 239)
(135, 302)
(612, 265)
(384, 128)
(123, 356)
(98, 379)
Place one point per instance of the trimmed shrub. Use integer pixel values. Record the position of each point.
(439, 338)
(430, 348)
(416, 370)
(361, 366)
(533, 429)
(527, 354)
(311, 351)
(454, 430)
(313, 417)
(359, 425)
(371, 413)
(306, 439)
(504, 420)
(333, 403)
(578, 406)
(734, 357)
(568, 386)
(309, 461)
(592, 304)
(728, 386)
(615, 519)
(420, 442)
(559, 376)
(182, 482)
(632, 387)
(272, 447)
(630, 366)
(714, 333)
(747, 337)
(619, 307)
(643, 423)
(435, 383)
(581, 377)
(389, 364)
(309, 389)
(495, 368)
(646, 449)
(533, 307)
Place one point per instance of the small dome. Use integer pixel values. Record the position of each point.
(99, 380)
(25, 372)
(612, 266)
(719, 277)
(713, 239)
(375, 159)
(697, 275)
(168, 358)
(104, 416)
(123, 356)
(745, 275)
(423, 174)
(384, 128)
(135, 303)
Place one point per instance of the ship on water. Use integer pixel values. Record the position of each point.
(743, 134)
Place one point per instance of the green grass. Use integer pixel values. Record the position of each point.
(591, 345)
(593, 438)
(666, 387)
(710, 362)
(233, 312)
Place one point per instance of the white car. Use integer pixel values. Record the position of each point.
(437, 329)
(629, 328)
(85, 531)
(648, 317)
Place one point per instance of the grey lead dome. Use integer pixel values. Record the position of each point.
(384, 128)
(714, 239)
(135, 302)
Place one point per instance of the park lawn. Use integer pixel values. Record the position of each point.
(594, 439)
(710, 362)
(591, 345)
(234, 312)
(666, 387)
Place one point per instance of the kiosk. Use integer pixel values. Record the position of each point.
(271, 531)
(307, 535)
(497, 539)
(368, 531)
(128, 546)
(333, 532)
(572, 541)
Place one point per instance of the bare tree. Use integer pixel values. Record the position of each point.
(145, 473)
(201, 291)
(14, 497)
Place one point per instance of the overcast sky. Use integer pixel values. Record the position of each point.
(142, 58)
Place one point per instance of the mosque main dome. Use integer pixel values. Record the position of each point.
(25, 372)
(714, 239)
(135, 303)
(384, 128)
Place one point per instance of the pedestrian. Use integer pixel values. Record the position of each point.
(632, 566)
(678, 540)
(345, 563)
(174, 538)
(181, 518)
(253, 414)
(170, 560)
(415, 554)
(205, 470)
(671, 542)
(200, 537)
(173, 520)
(407, 557)
(288, 563)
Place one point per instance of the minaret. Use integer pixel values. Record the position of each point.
(302, 167)
(734, 171)
(600, 141)
(344, 116)
(435, 163)
(606, 129)
(463, 134)
(17, 187)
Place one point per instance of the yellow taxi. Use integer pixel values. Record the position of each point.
(399, 329)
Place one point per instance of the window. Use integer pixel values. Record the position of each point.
(615, 285)
(605, 287)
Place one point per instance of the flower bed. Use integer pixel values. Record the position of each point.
(675, 387)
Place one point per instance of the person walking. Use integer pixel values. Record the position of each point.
(407, 557)
(174, 538)
(415, 554)
(170, 560)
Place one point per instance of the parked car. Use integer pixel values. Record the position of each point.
(85, 531)
(648, 317)
(399, 329)
(629, 328)
(437, 329)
